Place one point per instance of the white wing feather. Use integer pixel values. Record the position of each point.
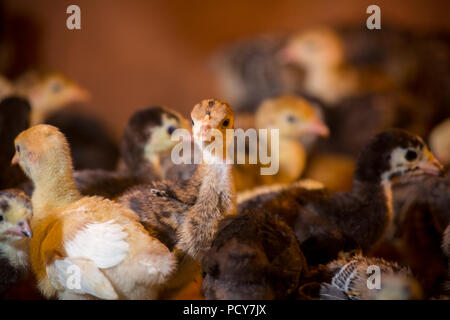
(102, 243)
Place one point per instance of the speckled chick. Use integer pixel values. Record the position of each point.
(186, 213)
(353, 277)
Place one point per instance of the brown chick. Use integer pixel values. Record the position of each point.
(296, 119)
(15, 213)
(49, 93)
(186, 214)
(84, 247)
(320, 52)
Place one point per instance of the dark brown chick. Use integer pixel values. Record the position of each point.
(255, 255)
(327, 222)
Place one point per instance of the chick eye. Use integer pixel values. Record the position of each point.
(18, 148)
(170, 130)
(411, 155)
(56, 87)
(291, 119)
(1, 218)
(226, 122)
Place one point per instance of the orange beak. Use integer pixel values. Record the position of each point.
(317, 127)
(15, 159)
(79, 94)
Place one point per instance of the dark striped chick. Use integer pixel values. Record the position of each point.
(353, 278)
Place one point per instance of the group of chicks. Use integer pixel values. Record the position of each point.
(150, 228)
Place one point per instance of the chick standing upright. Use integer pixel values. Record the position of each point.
(186, 213)
(98, 240)
(15, 213)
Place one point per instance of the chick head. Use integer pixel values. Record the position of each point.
(15, 215)
(42, 151)
(211, 119)
(320, 47)
(396, 153)
(149, 133)
(295, 117)
(53, 92)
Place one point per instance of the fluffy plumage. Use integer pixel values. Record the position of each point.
(15, 213)
(145, 149)
(92, 238)
(185, 214)
(255, 255)
(91, 144)
(350, 277)
(327, 222)
(48, 93)
(296, 119)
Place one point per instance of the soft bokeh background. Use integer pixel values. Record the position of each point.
(132, 54)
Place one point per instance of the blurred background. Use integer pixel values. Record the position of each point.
(132, 54)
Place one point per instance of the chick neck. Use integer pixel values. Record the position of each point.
(54, 188)
(15, 250)
(365, 212)
(291, 158)
(216, 199)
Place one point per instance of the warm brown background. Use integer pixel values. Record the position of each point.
(131, 54)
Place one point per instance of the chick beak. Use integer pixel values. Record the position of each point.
(432, 166)
(285, 55)
(317, 127)
(80, 94)
(22, 229)
(15, 159)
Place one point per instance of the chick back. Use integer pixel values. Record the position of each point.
(264, 262)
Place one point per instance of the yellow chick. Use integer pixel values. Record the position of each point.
(49, 93)
(84, 247)
(296, 119)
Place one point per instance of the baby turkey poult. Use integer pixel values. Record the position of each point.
(15, 213)
(255, 255)
(298, 123)
(326, 222)
(145, 151)
(355, 277)
(98, 239)
(185, 214)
